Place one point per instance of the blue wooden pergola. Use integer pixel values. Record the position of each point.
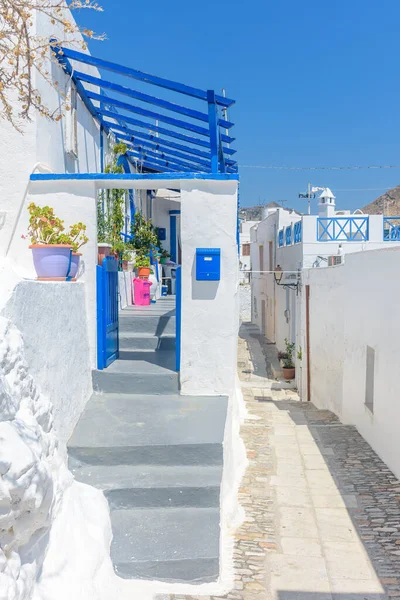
(195, 141)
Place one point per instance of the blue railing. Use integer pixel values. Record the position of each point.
(297, 230)
(288, 235)
(280, 238)
(343, 229)
(391, 229)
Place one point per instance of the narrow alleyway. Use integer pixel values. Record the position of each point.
(322, 510)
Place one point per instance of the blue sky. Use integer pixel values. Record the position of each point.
(316, 83)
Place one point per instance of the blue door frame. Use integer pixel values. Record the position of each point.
(107, 313)
(178, 316)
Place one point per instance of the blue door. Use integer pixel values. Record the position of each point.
(178, 320)
(107, 313)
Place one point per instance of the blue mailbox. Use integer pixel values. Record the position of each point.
(208, 264)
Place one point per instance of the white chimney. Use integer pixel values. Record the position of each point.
(326, 204)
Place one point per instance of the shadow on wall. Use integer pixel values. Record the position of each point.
(203, 290)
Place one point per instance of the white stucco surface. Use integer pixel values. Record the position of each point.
(32, 473)
(210, 309)
(352, 306)
(51, 317)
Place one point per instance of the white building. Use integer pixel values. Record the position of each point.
(339, 317)
(245, 256)
(190, 191)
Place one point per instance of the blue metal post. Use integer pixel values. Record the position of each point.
(213, 125)
(178, 316)
(100, 318)
(172, 234)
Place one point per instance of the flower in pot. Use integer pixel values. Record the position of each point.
(51, 255)
(142, 264)
(288, 368)
(125, 258)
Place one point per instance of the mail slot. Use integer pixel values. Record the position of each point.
(208, 264)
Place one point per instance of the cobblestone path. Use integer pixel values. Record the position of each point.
(322, 510)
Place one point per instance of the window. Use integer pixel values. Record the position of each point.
(71, 122)
(245, 249)
(271, 256)
(261, 257)
(369, 379)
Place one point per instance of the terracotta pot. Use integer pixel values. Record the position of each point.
(103, 250)
(51, 260)
(144, 272)
(124, 265)
(288, 373)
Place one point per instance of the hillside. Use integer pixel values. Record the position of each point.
(254, 213)
(388, 204)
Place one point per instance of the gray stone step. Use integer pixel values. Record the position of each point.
(146, 476)
(131, 361)
(157, 430)
(146, 341)
(173, 544)
(138, 376)
(150, 324)
(147, 486)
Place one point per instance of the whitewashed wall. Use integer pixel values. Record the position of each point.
(161, 217)
(264, 288)
(353, 306)
(51, 317)
(245, 227)
(210, 309)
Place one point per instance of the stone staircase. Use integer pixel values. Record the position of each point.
(156, 455)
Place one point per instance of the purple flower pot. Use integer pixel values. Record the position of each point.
(51, 261)
(74, 264)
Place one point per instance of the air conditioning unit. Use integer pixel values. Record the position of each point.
(336, 259)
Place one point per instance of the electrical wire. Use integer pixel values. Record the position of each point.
(348, 168)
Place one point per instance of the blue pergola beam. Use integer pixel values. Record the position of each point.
(139, 75)
(120, 89)
(167, 152)
(157, 129)
(161, 142)
(158, 162)
(148, 113)
(156, 158)
(154, 143)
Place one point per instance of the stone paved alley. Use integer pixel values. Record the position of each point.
(322, 510)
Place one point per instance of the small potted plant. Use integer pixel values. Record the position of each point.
(76, 238)
(51, 257)
(164, 257)
(125, 258)
(142, 264)
(288, 368)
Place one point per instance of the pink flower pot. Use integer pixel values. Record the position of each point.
(51, 261)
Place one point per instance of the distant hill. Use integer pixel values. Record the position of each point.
(254, 213)
(387, 204)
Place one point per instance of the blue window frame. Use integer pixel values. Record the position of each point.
(297, 232)
(280, 238)
(288, 235)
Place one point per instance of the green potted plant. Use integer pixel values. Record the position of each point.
(142, 264)
(125, 258)
(164, 257)
(288, 368)
(51, 254)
